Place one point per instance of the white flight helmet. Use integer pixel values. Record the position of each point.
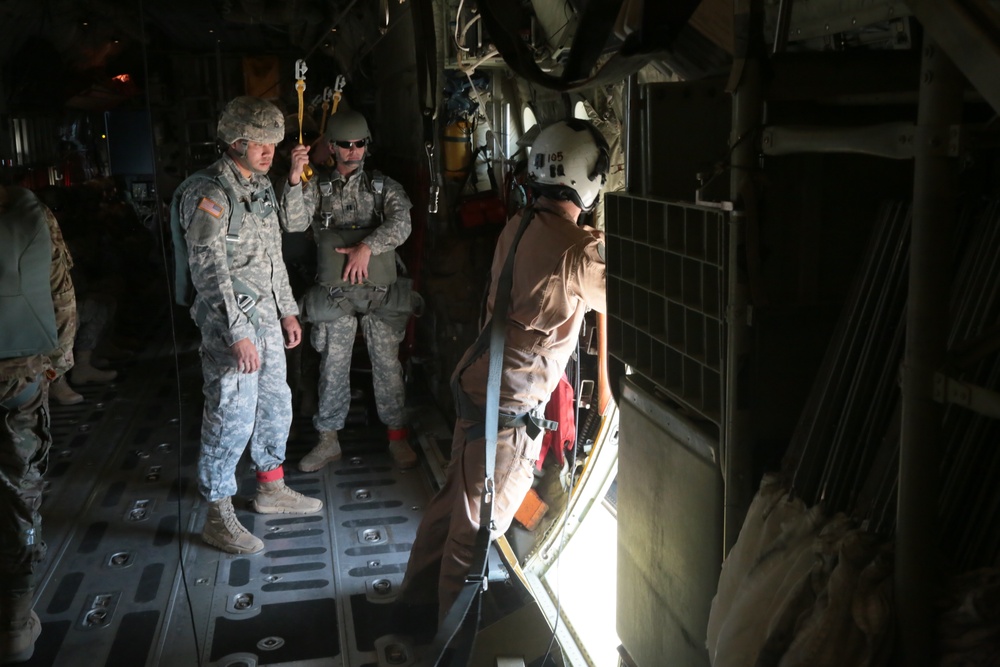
(569, 160)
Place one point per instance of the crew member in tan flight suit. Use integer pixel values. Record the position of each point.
(558, 275)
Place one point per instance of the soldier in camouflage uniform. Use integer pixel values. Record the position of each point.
(37, 328)
(244, 308)
(359, 219)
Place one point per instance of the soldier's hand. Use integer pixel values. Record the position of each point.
(356, 266)
(292, 329)
(247, 359)
(300, 158)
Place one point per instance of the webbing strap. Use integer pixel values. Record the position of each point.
(260, 202)
(475, 581)
(22, 397)
(325, 202)
(246, 301)
(532, 422)
(426, 60)
(378, 183)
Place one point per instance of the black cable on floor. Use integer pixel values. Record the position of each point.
(173, 337)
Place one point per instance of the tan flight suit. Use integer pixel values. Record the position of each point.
(559, 274)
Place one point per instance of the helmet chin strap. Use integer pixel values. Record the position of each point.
(240, 156)
(244, 146)
(352, 165)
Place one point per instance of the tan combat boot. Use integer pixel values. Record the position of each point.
(63, 393)
(19, 628)
(399, 447)
(327, 451)
(84, 372)
(224, 531)
(276, 498)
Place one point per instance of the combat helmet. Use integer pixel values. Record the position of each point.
(347, 125)
(251, 119)
(569, 160)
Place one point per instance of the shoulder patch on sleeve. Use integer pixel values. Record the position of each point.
(210, 207)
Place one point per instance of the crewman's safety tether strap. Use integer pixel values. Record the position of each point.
(475, 581)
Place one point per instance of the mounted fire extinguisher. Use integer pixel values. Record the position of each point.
(457, 150)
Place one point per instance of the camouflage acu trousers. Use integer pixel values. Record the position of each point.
(93, 313)
(241, 408)
(24, 451)
(335, 343)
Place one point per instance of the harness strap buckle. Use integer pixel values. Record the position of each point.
(245, 302)
(532, 421)
(480, 581)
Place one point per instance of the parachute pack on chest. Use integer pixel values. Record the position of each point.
(260, 203)
(27, 318)
(331, 235)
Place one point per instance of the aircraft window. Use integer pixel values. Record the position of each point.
(529, 123)
(580, 111)
(510, 128)
(528, 116)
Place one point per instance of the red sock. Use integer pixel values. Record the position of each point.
(271, 475)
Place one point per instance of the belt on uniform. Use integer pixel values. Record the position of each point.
(532, 422)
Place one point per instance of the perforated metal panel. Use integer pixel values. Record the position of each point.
(666, 285)
(669, 532)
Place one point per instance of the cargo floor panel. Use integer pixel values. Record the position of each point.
(127, 579)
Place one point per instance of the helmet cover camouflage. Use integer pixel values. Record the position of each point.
(253, 119)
